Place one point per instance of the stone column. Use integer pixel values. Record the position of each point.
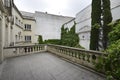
(1, 44)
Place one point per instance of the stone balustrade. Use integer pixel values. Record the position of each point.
(23, 50)
(84, 57)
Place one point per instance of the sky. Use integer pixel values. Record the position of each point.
(58, 7)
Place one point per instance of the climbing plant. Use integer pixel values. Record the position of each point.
(69, 37)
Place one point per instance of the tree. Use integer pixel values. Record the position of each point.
(96, 21)
(107, 18)
(40, 40)
(100, 8)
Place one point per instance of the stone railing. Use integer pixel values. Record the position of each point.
(84, 57)
(81, 56)
(23, 50)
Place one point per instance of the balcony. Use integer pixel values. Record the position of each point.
(49, 62)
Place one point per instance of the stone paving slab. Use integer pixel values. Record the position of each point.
(44, 66)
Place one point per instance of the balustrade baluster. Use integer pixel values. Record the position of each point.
(40, 48)
(75, 54)
(72, 54)
(27, 50)
(31, 49)
(17, 50)
(88, 57)
(93, 59)
(36, 48)
(69, 52)
(79, 54)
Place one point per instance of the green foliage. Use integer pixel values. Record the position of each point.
(113, 60)
(53, 41)
(111, 64)
(115, 33)
(69, 37)
(40, 40)
(96, 12)
(94, 37)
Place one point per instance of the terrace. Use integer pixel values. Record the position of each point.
(49, 62)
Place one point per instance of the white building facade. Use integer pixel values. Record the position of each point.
(49, 25)
(29, 28)
(83, 20)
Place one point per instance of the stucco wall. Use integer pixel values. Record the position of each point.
(30, 32)
(17, 29)
(116, 13)
(48, 25)
(83, 26)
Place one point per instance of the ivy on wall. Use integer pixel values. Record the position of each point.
(69, 37)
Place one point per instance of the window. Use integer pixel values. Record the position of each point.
(19, 22)
(27, 38)
(16, 21)
(7, 3)
(27, 27)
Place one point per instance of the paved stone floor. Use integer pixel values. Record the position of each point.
(44, 66)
